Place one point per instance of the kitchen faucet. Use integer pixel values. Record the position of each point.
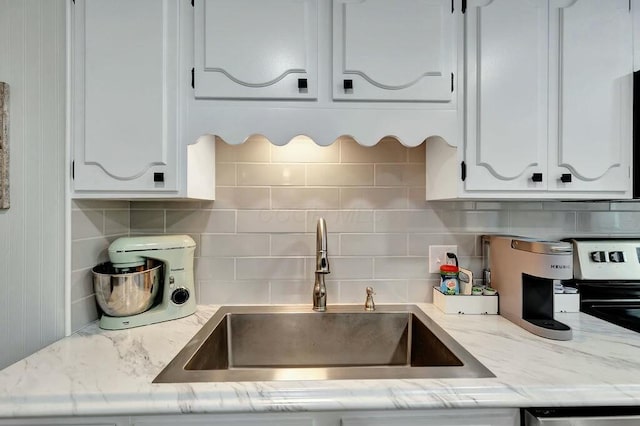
(322, 267)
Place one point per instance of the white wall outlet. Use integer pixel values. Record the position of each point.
(438, 256)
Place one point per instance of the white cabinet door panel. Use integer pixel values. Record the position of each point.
(438, 417)
(591, 72)
(126, 96)
(401, 51)
(507, 59)
(256, 49)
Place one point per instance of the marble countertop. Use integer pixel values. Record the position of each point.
(97, 372)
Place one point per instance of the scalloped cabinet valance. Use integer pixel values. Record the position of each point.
(547, 113)
(325, 69)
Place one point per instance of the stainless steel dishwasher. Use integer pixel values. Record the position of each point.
(582, 416)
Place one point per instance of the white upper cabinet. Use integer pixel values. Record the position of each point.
(507, 79)
(327, 68)
(124, 92)
(393, 50)
(256, 49)
(590, 109)
(549, 102)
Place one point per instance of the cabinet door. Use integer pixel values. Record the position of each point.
(393, 50)
(449, 417)
(256, 49)
(125, 95)
(506, 63)
(591, 84)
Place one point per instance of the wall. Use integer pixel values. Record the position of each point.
(32, 61)
(256, 242)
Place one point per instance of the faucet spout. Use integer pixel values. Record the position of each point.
(322, 267)
(322, 259)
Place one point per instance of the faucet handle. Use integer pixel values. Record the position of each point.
(369, 305)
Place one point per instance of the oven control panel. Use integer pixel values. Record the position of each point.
(614, 259)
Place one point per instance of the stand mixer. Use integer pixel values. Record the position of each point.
(148, 280)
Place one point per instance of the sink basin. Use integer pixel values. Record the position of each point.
(256, 343)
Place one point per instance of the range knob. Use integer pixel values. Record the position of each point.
(180, 296)
(598, 256)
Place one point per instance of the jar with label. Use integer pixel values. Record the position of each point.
(449, 283)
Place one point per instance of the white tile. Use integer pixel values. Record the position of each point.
(242, 198)
(340, 174)
(618, 222)
(83, 312)
(404, 267)
(147, 221)
(116, 222)
(417, 154)
(347, 268)
(270, 268)
(86, 224)
(234, 245)
(577, 205)
(88, 253)
(305, 198)
(342, 220)
(256, 149)
(271, 174)
(173, 204)
(386, 291)
(226, 174)
(373, 244)
(81, 284)
(301, 244)
(233, 292)
(468, 244)
(298, 292)
(543, 224)
(625, 205)
(409, 221)
(400, 175)
(385, 151)
(214, 268)
(421, 291)
(272, 221)
(99, 204)
(475, 221)
(199, 221)
(373, 198)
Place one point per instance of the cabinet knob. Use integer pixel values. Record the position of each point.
(536, 177)
(565, 178)
(347, 84)
(158, 177)
(302, 83)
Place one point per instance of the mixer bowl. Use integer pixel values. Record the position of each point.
(123, 293)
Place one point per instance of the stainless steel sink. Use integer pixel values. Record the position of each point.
(256, 343)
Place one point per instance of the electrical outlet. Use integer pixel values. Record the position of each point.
(438, 256)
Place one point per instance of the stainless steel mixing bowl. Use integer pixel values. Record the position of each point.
(130, 292)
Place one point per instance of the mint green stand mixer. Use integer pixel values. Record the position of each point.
(148, 280)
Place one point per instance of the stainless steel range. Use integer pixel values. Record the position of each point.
(607, 273)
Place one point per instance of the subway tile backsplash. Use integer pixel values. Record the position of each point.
(256, 242)
(94, 225)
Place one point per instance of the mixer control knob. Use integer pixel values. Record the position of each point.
(598, 256)
(180, 296)
(616, 256)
